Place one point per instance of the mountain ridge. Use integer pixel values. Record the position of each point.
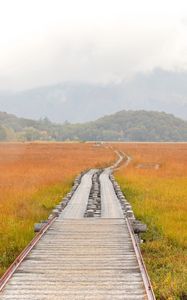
(122, 126)
(158, 91)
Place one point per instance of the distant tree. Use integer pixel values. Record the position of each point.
(3, 135)
(45, 120)
(32, 134)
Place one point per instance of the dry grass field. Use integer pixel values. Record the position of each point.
(33, 178)
(155, 183)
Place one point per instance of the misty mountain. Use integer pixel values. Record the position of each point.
(129, 126)
(80, 102)
(121, 126)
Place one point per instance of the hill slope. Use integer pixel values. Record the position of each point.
(122, 126)
(131, 126)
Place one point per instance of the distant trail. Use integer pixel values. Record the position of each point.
(87, 252)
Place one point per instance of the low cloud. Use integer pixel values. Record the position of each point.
(46, 42)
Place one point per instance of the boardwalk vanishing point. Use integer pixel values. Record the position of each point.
(87, 250)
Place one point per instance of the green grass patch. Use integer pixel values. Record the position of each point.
(164, 248)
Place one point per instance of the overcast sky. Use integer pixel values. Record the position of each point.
(49, 41)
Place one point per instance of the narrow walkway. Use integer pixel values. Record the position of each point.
(81, 258)
(77, 205)
(110, 207)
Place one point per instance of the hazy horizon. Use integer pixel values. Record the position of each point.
(108, 52)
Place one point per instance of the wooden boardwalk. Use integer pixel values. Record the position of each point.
(83, 258)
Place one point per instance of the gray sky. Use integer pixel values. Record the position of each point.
(49, 41)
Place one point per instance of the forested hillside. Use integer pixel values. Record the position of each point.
(122, 126)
